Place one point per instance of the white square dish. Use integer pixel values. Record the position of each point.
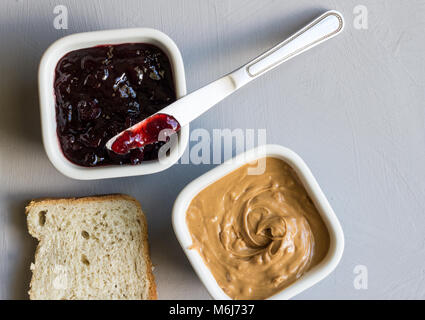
(46, 76)
(317, 273)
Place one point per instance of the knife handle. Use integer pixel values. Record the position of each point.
(320, 30)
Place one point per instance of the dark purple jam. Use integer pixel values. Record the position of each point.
(104, 90)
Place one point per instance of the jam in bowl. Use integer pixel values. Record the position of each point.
(101, 91)
(93, 85)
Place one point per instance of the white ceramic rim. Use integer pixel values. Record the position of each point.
(46, 75)
(316, 274)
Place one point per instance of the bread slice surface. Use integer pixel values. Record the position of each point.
(90, 248)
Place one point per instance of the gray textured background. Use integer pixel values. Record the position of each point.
(352, 108)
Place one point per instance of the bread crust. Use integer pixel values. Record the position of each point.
(152, 295)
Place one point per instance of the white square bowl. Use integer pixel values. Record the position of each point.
(317, 273)
(46, 75)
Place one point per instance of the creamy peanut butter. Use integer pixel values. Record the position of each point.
(257, 233)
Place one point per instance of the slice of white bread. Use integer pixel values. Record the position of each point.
(90, 248)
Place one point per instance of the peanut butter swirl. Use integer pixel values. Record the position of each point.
(257, 233)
